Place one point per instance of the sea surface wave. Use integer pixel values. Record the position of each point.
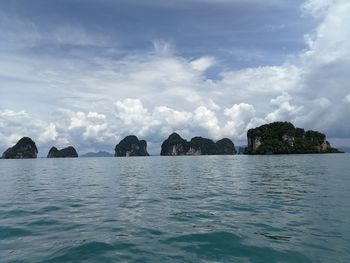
(293, 208)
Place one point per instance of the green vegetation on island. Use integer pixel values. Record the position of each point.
(131, 146)
(284, 138)
(68, 152)
(175, 145)
(273, 138)
(25, 148)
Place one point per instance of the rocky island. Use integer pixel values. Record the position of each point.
(175, 145)
(131, 146)
(25, 148)
(68, 152)
(284, 138)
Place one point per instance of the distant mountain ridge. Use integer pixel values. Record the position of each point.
(97, 154)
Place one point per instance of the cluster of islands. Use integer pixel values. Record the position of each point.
(273, 138)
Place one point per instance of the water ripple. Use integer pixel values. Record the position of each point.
(183, 209)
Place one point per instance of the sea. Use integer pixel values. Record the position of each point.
(276, 208)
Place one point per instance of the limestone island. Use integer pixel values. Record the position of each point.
(284, 138)
(175, 145)
(25, 148)
(68, 152)
(131, 146)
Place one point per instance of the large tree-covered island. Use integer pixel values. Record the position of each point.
(284, 138)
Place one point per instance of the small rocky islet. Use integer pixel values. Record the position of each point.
(68, 152)
(131, 146)
(273, 138)
(25, 148)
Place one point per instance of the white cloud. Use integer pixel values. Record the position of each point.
(285, 110)
(95, 100)
(50, 133)
(15, 125)
(31, 34)
(159, 122)
(347, 98)
(240, 112)
(240, 115)
(331, 41)
(132, 113)
(162, 48)
(261, 82)
(203, 63)
(92, 126)
(317, 7)
(74, 35)
(77, 121)
(162, 120)
(172, 117)
(206, 119)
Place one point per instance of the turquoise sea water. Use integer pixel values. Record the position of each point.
(176, 209)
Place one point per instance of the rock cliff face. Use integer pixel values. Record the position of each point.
(175, 145)
(68, 152)
(25, 148)
(131, 146)
(284, 138)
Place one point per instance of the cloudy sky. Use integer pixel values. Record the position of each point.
(87, 73)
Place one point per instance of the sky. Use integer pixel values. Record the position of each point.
(89, 72)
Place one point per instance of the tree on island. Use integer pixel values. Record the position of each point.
(284, 138)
